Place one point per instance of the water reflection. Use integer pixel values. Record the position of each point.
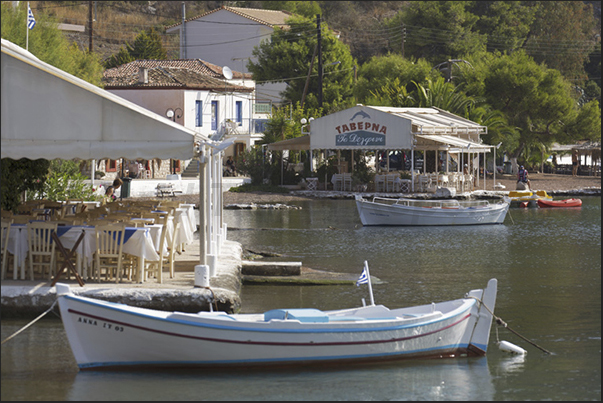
(513, 363)
(450, 379)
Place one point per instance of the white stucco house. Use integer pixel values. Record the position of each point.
(226, 37)
(210, 100)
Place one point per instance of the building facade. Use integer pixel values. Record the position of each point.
(226, 37)
(209, 99)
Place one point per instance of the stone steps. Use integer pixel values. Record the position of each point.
(253, 268)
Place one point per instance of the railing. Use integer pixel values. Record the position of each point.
(433, 203)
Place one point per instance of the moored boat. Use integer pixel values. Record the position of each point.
(392, 211)
(526, 198)
(560, 203)
(106, 335)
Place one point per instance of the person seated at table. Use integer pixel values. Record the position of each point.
(522, 177)
(110, 192)
(230, 166)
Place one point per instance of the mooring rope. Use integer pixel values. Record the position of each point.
(30, 323)
(213, 298)
(500, 322)
(511, 217)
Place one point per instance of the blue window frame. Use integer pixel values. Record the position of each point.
(199, 113)
(214, 115)
(239, 111)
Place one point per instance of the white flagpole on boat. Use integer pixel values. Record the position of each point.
(368, 274)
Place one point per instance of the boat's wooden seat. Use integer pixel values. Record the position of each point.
(303, 315)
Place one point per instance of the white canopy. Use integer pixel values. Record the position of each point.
(449, 143)
(48, 113)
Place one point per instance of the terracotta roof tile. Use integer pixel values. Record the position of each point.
(192, 73)
(271, 18)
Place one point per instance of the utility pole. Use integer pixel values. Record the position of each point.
(319, 44)
(309, 74)
(403, 38)
(90, 26)
(183, 31)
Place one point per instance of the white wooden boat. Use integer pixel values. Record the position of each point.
(110, 335)
(392, 211)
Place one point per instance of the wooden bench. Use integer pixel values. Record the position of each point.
(164, 189)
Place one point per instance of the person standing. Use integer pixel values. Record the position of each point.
(575, 163)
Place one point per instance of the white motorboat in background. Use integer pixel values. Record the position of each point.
(392, 211)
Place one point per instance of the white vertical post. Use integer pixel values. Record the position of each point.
(27, 27)
(368, 274)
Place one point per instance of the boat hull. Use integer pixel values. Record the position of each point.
(374, 213)
(109, 335)
(560, 203)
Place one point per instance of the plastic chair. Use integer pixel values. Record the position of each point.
(41, 247)
(109, 250)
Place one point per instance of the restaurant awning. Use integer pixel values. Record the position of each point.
(48, 113)
(450, 143)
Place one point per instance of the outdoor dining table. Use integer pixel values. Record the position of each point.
(185, 215)
(138, 241)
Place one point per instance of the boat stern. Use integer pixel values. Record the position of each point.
(478, 332)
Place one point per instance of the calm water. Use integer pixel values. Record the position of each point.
(547, 262)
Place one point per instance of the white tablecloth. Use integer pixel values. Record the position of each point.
(139, 242)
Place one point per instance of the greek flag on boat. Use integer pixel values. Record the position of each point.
(363, 279)
(31, 21)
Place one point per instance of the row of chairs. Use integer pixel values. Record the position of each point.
(342, 181)
(109, 260)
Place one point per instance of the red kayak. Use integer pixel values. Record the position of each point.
(560, 203)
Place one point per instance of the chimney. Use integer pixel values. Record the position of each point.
(143, 75)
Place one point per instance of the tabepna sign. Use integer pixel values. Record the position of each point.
(360, 134)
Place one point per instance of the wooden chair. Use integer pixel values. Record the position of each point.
(41, 247)
(6, 223)
(166, 254)
(109, 250)
(23, 218)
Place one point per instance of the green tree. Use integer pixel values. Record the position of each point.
(287, 56)
(65, 181)
(439, 30)
(121, 57)
(443, 95)
(505, 23)
(306, 9)
(381, 71)
(536, 101)
(147, 46)
(562, 36)
(391, 94)
(18, 176)
(49, 44)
